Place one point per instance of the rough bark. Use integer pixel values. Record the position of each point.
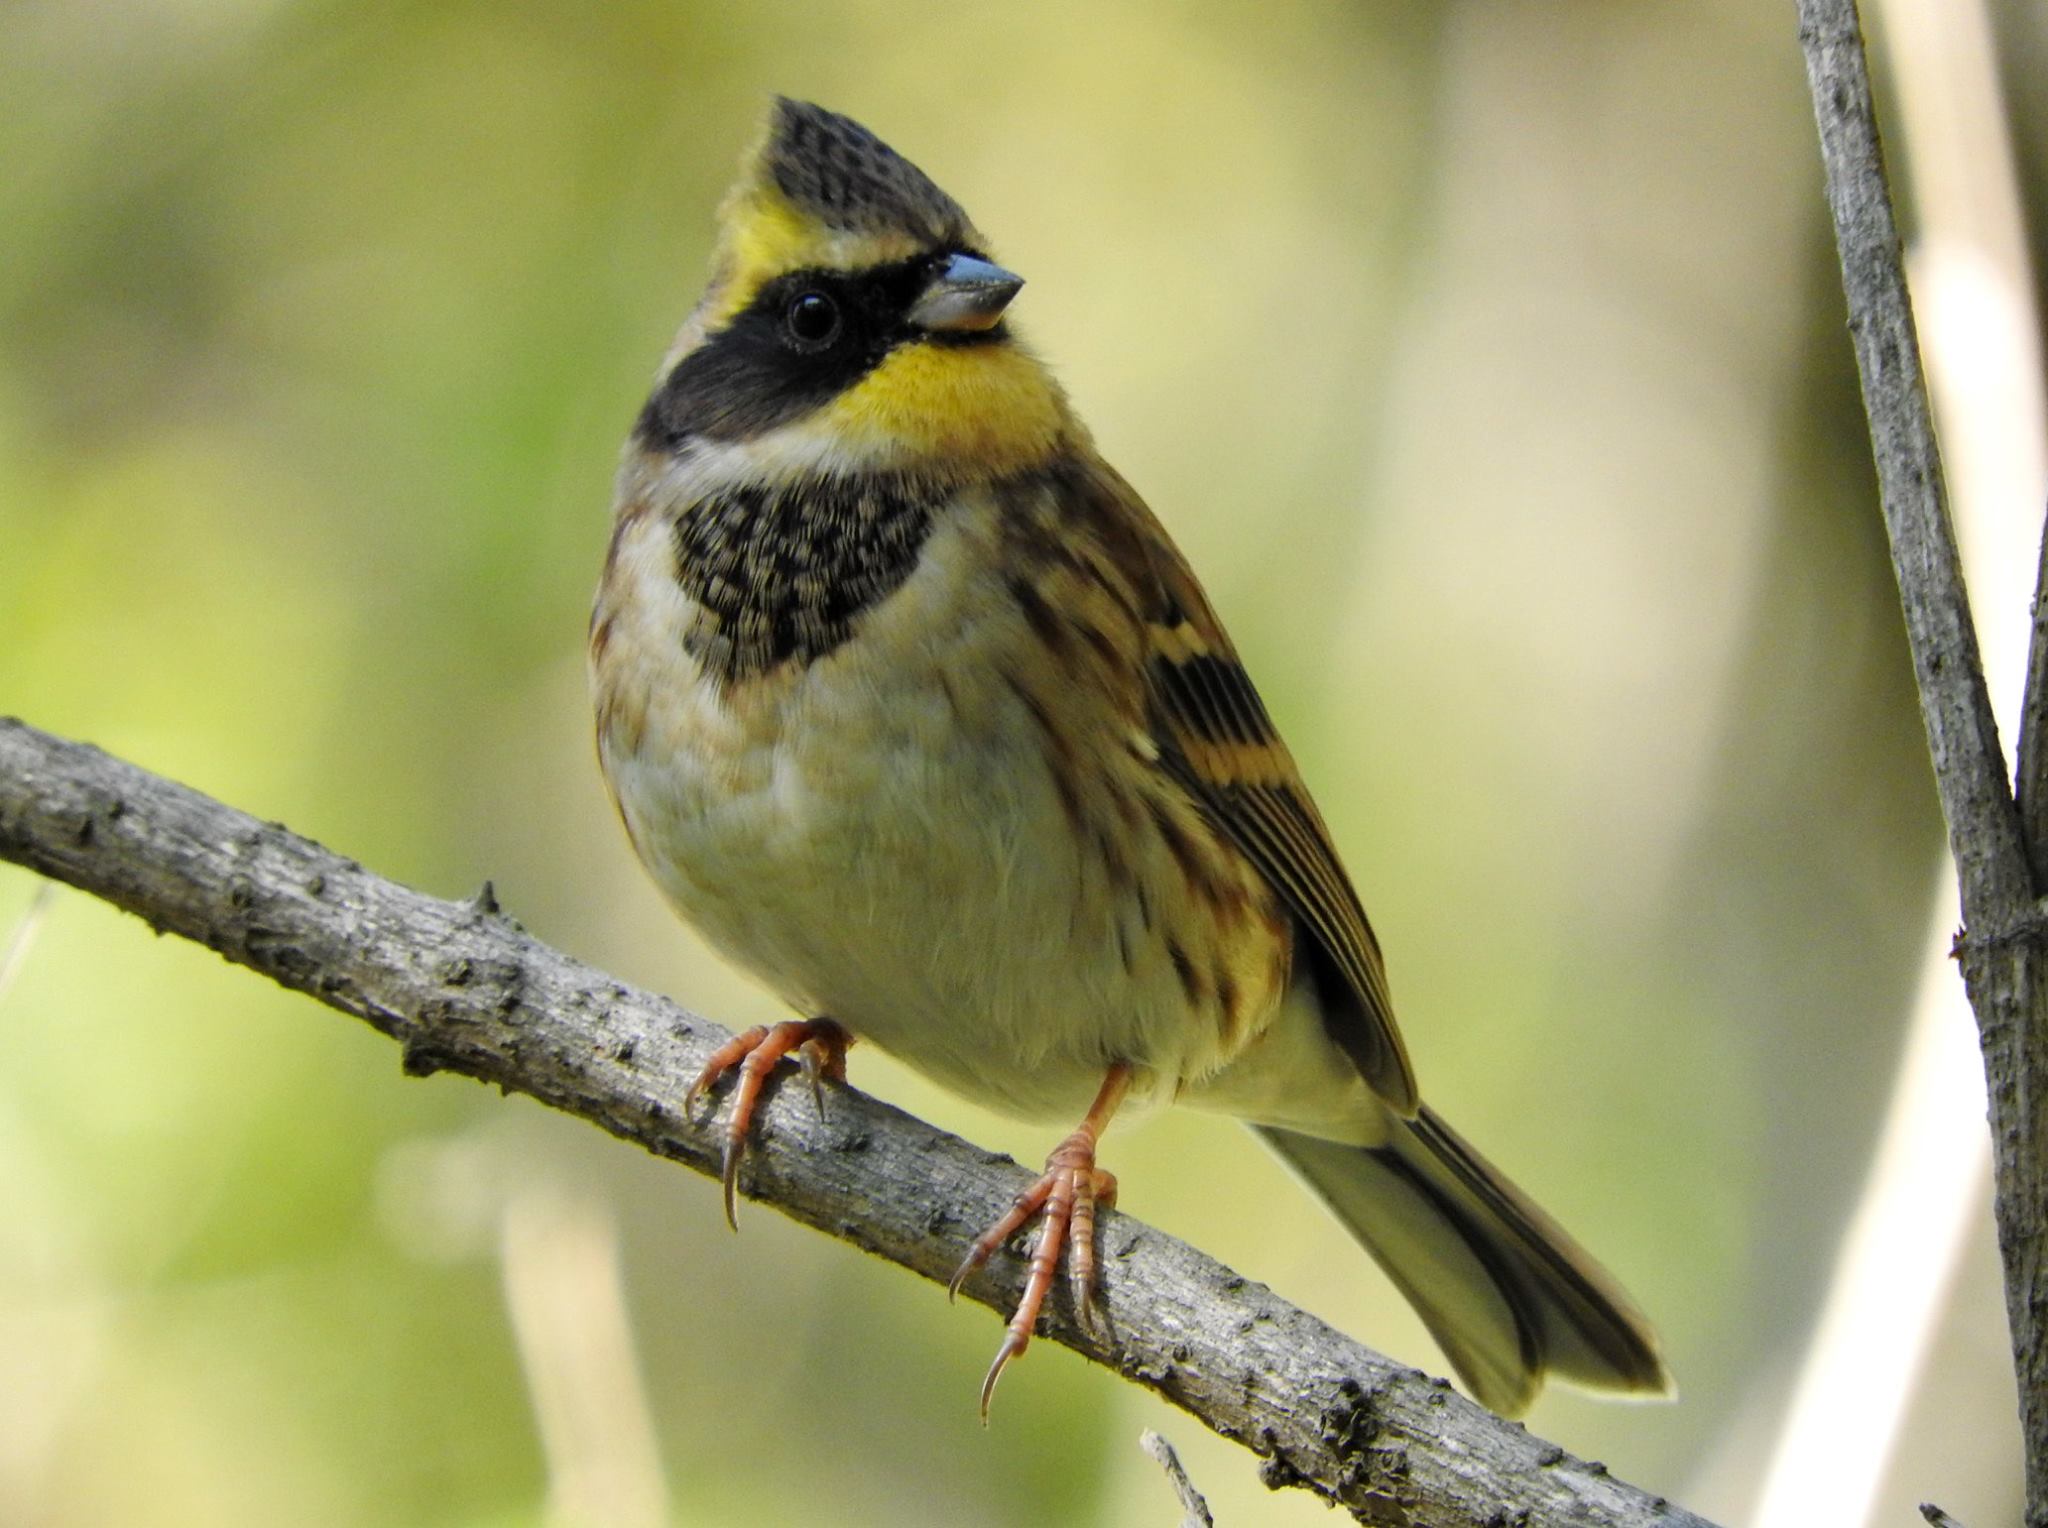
(462, 988)
(2030, 785)
(2001, 947)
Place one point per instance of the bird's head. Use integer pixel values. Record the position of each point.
(854, 320)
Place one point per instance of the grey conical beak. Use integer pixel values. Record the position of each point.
(968, 294)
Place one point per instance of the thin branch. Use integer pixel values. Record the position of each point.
(1969, 768)
(1194, 1511)
(2004, 946)
(2030, 784)
(462, 988)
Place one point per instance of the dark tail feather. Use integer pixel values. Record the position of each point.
(1507, 1294)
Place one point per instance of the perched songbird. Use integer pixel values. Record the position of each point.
(915, 711)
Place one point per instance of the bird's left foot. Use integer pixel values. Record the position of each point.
(1065, 1201)
(822, 1046)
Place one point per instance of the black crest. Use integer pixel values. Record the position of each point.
(842, 174)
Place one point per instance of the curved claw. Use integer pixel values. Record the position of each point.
(824, 1060)
(1011, 1348)
(755, 1052)
(1067, 1195)
(1065, 1198)
(1093, 1192)
(1025, 1205)
(729, 1177)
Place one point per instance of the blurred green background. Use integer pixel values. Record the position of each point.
(1487, 360)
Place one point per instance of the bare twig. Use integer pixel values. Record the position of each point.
(1968, 766)
(1194, 1512)
(2004, 938)
(2030, 784)
(462, 988)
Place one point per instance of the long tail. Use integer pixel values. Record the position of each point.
(1507, 1294)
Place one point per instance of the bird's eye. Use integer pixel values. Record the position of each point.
(812, 320)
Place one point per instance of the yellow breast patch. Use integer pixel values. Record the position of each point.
(990, 404)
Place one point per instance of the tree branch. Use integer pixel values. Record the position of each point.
(1194, 1512)
(1969, 768)
(462, 988)
(2030, 782)
(2003, 948)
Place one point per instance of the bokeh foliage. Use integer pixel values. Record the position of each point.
(1488, 364)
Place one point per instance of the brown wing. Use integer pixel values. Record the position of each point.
(1214, 735)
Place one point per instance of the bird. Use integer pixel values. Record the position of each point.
(913, 709)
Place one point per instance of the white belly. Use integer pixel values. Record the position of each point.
(877, 837)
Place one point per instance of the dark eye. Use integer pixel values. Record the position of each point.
(812, 320)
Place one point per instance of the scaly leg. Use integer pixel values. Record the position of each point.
(822, 1045)
(1065, 1199)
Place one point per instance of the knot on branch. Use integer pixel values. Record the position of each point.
(2027, 933)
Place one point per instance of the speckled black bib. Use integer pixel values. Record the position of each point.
(781, 574)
